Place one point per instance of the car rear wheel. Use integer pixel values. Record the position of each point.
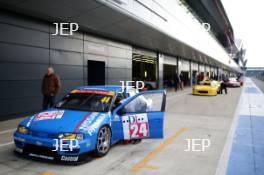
(103, 141)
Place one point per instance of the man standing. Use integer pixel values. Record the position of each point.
(50, 87)
(195, 78)
(182, 81)
(223, 84)
(176, 82)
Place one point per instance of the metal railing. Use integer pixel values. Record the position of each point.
(260, 77)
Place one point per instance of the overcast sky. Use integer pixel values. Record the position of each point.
(247, 19)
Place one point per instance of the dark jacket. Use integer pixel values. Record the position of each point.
(182, 78)
(50, 84)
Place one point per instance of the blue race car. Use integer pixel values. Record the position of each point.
(91, 118)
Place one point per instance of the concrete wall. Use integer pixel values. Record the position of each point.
(26, 50)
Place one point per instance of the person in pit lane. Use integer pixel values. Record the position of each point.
(49, 88)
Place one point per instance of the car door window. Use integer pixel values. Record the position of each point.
(148, 102)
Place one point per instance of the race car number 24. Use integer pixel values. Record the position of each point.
(135, 126)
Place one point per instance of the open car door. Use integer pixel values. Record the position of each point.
(142, 115)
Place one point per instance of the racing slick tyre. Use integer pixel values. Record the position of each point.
(103, 142)
(135, 141)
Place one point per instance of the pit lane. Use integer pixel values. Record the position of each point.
(187, 117)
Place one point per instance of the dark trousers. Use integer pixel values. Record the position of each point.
(176, 86)
(48, 101)
(223, 87)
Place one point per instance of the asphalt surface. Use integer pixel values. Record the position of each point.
(259, 83)
(187, 117)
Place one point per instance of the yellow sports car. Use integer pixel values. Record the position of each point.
(207, 88)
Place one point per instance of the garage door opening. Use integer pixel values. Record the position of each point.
(169, 72)
(144, 68)
(96, 72)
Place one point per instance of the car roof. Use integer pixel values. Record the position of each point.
(103, 87)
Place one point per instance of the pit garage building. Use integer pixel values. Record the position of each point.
(117, 40)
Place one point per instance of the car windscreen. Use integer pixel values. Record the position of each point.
(205, 83)
(233, 79)
(87, 101)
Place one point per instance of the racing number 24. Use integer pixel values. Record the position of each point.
(138, 129)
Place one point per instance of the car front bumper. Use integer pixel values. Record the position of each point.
(204, 92)
(44, 148)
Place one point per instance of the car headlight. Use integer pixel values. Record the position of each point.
(70, 136)
(22, 129)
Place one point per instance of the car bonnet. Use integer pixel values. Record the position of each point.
(57, 120)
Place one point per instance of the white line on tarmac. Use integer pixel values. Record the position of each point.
(7, 131)
(6, 144)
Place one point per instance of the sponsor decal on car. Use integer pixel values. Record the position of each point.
(49, 115)
(105, 100)
(89, 91)
(80, 123)
(69, 158)
(41, 156)
(88, 121)
(135, 126)
(30, 120)
(92, 128)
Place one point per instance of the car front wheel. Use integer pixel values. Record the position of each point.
(103, 141)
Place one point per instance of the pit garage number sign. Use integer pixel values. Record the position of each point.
(135, 126)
